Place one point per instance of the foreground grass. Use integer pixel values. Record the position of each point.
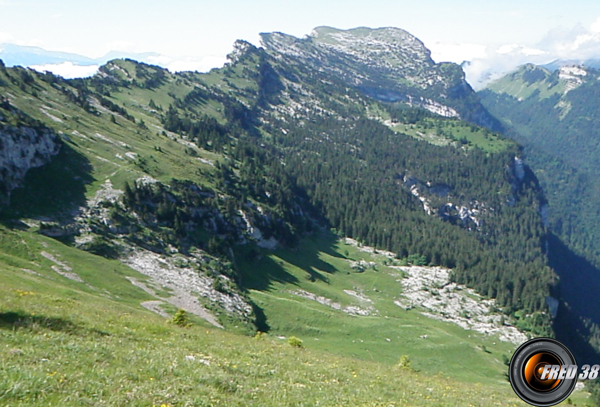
(91, 351)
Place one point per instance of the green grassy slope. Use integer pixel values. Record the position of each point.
(433, 346)
(437, 130)
(527, 81)
(70, 343)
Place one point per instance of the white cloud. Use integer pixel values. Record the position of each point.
(575, 44)
(5, 37)
(515, 49)
(178, 64)
(507, 49)
(501, 60)
(33, 42)
(68, 69)
(124, 46)
(159, 60)
(118, 46)
(486, 63)
(532, 51)
(595, 27)
(452, 52)
(578, 43)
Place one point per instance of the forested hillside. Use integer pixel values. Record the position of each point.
(554, 115)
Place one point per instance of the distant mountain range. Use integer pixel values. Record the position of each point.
(18, 55)
(554, 65)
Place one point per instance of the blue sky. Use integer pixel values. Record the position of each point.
(198, 34)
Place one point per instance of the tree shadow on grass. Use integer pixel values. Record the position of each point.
(259, 270)
(23, 320)
(261, 318)
(306, 257)
(327, 244)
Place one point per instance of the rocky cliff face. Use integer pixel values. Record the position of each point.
(438, 199)
(23, 148)
(387, 64)
(363, 56)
